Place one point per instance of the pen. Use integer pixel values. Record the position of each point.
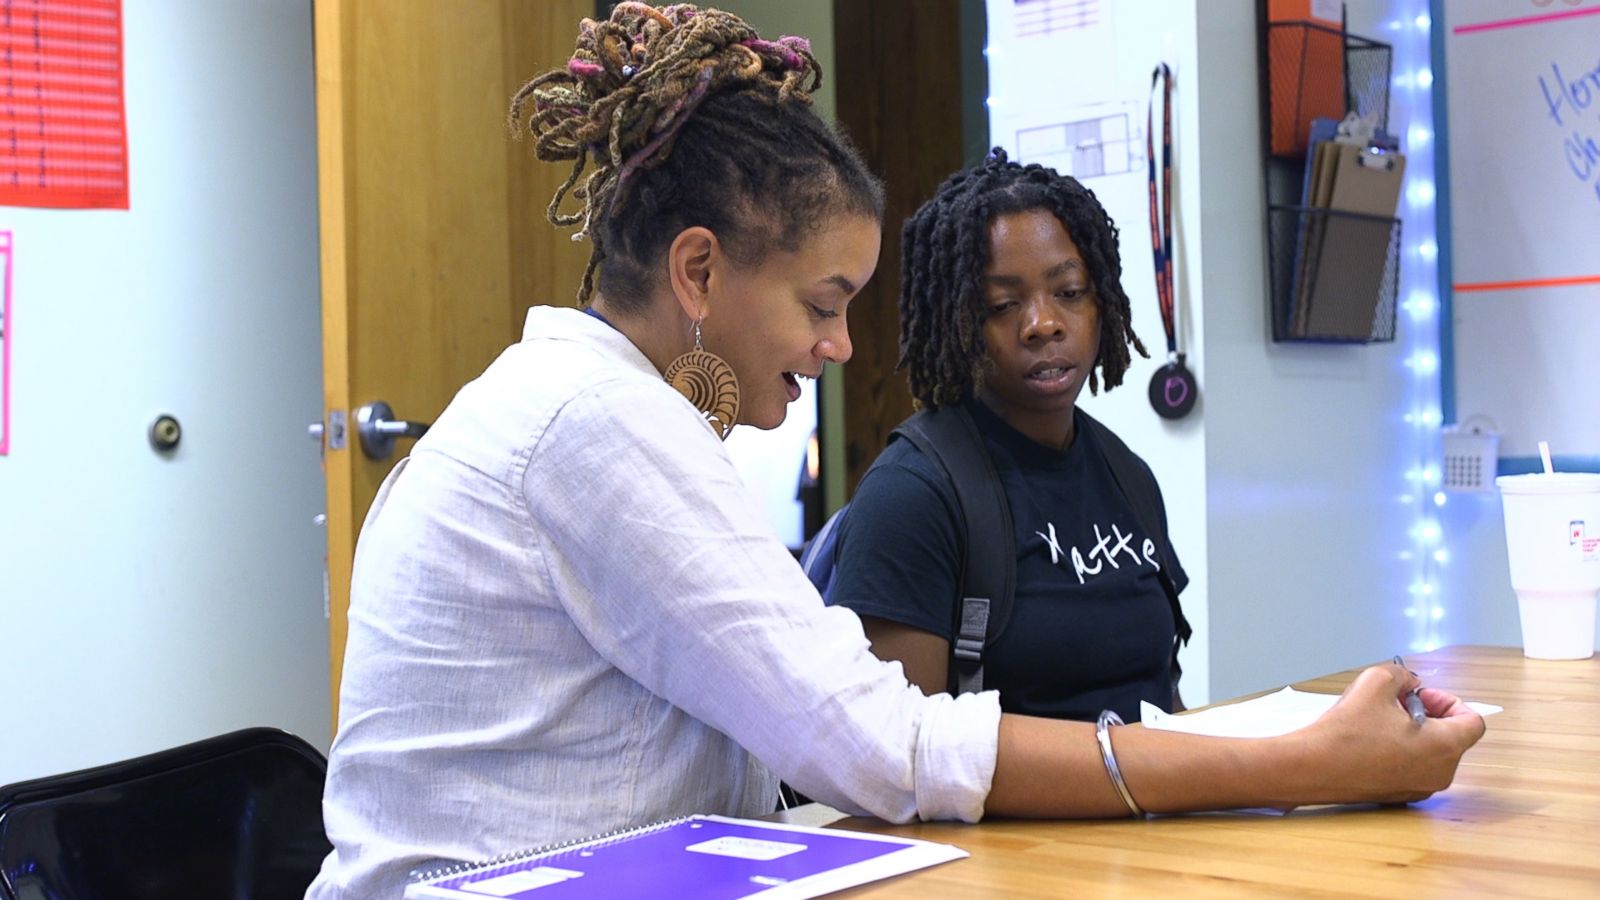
(1413, 701)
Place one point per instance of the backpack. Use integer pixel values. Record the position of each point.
(950, 438)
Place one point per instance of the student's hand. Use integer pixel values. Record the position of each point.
(1368, 749)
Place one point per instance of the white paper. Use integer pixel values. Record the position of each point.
(1266, 716)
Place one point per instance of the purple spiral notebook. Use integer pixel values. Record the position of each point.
(713, 857)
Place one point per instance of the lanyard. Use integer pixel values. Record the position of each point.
(1172, 390)
(1161, 215)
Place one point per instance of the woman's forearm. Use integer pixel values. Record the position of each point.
(1366, 749)
(1053, 769)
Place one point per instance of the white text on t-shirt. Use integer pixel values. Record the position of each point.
(1106, 549)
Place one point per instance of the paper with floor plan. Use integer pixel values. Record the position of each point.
(1266, 716)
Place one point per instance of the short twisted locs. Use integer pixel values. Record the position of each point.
(945, 249)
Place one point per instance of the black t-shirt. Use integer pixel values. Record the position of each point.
(1090, 628)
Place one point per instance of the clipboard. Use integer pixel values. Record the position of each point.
(1321, 167)
(1360, 187)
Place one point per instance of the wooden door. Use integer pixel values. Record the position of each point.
(434, 242)
(909, 122)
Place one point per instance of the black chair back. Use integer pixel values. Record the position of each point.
(234, 817)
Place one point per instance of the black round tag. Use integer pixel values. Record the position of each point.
(1173, 391)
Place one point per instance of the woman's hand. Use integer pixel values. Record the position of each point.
(1367, 748)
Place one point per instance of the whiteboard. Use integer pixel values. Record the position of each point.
(1522, 79)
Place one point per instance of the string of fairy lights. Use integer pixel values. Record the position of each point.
(1412, 117)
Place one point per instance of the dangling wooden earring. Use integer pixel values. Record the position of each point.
(709, 383)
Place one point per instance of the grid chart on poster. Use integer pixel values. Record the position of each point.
(1038, 17)
(1086, 148)
(63, 136)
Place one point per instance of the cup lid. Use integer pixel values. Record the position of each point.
(1551, 483)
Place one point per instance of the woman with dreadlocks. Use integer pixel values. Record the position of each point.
(565, 618)
(1011, 302)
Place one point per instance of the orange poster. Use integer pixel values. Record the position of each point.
(63, 137)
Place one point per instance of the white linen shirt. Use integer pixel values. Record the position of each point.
(567, 617)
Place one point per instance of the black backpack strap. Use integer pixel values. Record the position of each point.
(1139, 486)
(950, 438)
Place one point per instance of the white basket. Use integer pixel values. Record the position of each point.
(1471, 455)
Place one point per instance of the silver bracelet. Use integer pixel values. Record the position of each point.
(1102, 733)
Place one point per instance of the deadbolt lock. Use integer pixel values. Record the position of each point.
(165, 433)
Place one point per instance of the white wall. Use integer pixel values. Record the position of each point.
(1475, 586)
(1308, 506)
(149, 601)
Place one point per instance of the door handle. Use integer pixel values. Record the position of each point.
(378, 429)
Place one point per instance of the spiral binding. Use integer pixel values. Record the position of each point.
(596, 840)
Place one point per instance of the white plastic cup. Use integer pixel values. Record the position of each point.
(1553, 542)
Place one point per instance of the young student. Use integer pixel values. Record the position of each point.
(567, 618)
(1011, 301)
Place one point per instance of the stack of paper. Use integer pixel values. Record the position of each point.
(1266, 716)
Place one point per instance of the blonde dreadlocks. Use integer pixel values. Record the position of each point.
(690, 118)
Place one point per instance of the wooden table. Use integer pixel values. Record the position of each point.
(1522, 819)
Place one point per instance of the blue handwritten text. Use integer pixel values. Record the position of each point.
(1566, 100)
(1578, 94)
